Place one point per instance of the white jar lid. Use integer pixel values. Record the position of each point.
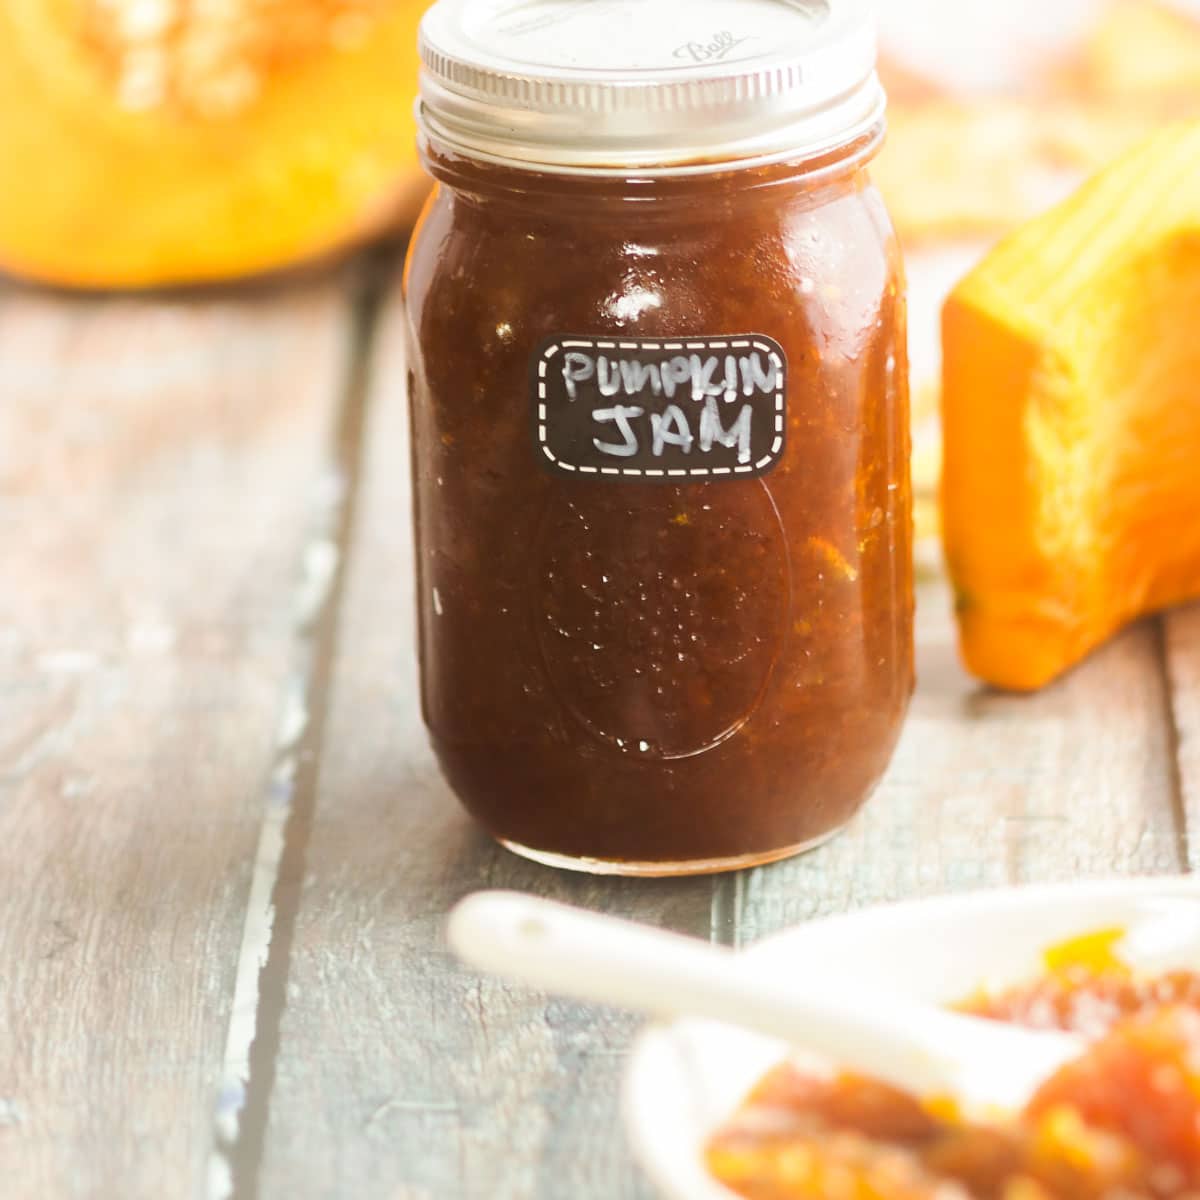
(657, 85)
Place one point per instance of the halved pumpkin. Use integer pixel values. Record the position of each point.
(1071, 407)
(149, 142)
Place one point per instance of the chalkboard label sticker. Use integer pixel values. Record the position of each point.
(665, 411)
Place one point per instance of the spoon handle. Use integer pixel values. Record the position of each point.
(595, 958)
(573, 952)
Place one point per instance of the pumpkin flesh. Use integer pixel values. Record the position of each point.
(155, 142)
(1071, 405)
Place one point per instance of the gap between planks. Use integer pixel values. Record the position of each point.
(260, 990)
(1171, 726)
(743, 906)
(1095, 776)
(159, 456)
(1180, 634)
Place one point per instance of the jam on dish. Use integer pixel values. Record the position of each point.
(1122, 1121)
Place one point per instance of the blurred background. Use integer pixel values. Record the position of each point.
(152, 142)
(996, 112)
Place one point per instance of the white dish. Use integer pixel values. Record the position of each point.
(687, 1077)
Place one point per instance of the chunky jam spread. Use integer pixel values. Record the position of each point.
(662, 504)
(1119, 1123)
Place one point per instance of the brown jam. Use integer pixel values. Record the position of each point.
(659, 672)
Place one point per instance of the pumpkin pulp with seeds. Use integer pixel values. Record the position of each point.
(246, 135)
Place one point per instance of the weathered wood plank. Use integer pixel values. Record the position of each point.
(989, 788)
(1181, 641)
(401, 1076)
(158, 462)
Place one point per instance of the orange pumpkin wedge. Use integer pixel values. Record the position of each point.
(150, 142)
(1071, 406)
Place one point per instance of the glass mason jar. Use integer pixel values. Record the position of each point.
(660, 428)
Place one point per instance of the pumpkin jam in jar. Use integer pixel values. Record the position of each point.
(660, 427)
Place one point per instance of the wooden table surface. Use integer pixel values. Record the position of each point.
(225, 851)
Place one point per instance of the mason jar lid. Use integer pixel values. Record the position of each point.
(604, 86)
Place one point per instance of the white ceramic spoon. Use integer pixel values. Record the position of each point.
(924, 1049)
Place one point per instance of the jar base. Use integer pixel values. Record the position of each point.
(664, 870)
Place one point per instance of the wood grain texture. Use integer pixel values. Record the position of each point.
(988, 788)
(1181, 642)
(158, 458)
(400, 1075)
(159, 465)
(403, 1077)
